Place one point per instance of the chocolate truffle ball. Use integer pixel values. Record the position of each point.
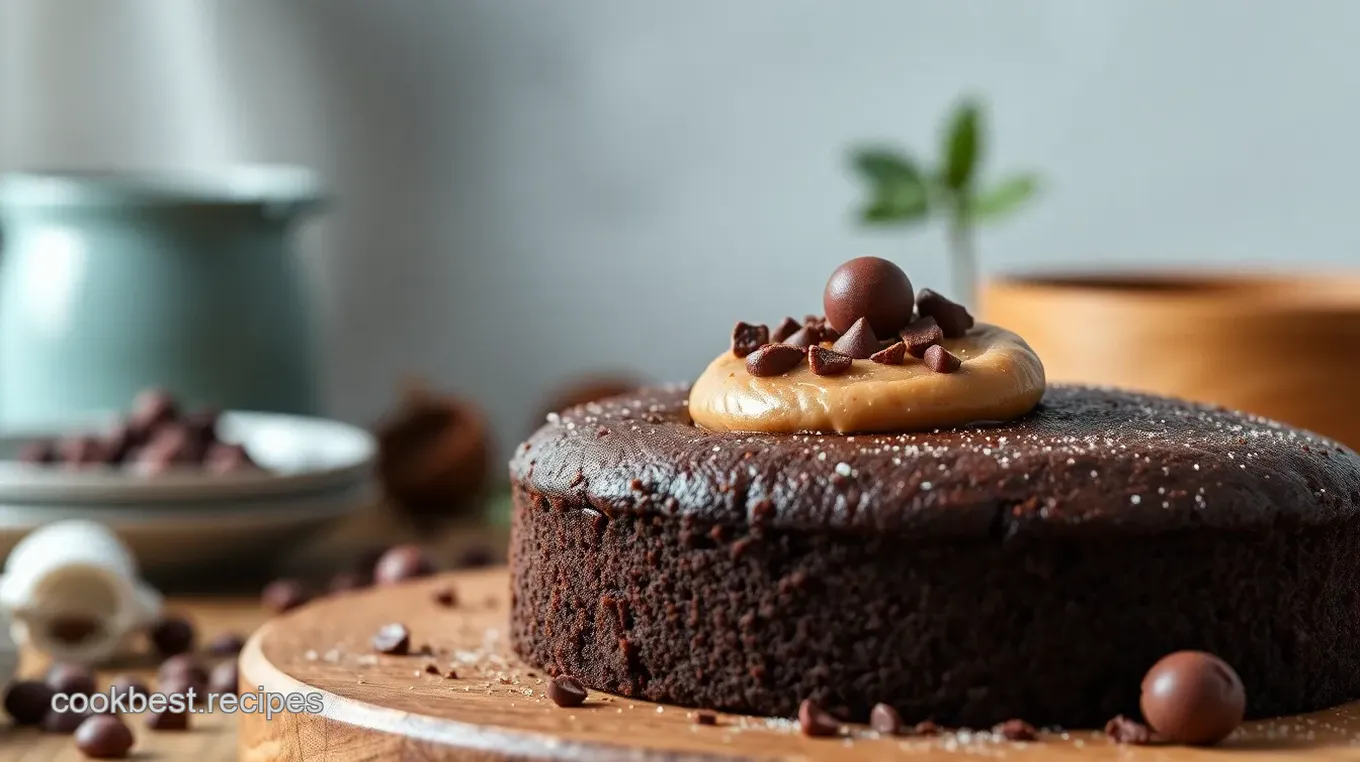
(871, 288)
(1193, 697)
(172, 635)
(104, 736)
(27, 701)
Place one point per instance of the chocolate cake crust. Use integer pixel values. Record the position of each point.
(1033, 569)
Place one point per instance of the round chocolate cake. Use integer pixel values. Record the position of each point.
(1030, 554)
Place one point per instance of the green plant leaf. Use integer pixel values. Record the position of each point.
(963, 146)
(1003, 198)
(885, 166)
(897, 205)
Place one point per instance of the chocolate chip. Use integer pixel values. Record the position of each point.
(172, 635)
(858, 342)
(183, 665)
(446, 596)
(925, 728)
(27, 701)
(940, 360)
(151, 409)
(773, 360)
(225, 678)
(814, 721)
(227, 458)
(104, 736)
(885, 720)
(920, 335)
(128, 686)
(953, 318)
(827, 362)
(747, 338)
(872, 288)
(70, 678)
(226, 644)
(401, 563)
(893, 355)
(1016, 730)
(393, 639)
(823, 328)
(451, 674)
(431, 669)
(63, 722)
(807, 336)
(566, 691)
(785, 329)
(1123, 730)
(705, 718)
(283, 595)
(345, 581)
(40, 453)
(1192, 697)
(167, 721)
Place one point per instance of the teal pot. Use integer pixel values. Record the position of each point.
(113, 283)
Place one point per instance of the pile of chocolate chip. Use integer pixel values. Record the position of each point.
(872, 314)
(154, 438)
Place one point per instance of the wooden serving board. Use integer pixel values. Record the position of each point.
(381, 707)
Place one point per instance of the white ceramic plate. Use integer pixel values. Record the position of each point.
(301, 455)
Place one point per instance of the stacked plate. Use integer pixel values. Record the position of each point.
(315, 471)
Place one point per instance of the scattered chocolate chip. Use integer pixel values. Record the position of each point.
(225, 678)
(566, 691)
(183, 665)
(27, 701)
(952, 317)
(773, 360)
(167, 721)
(823, 328)
(747, 338)
(226, 644)
(827, 362)
(885, 720)
(807, 336)
(40, 453)
(1192, 697)
(345, 581)
(104, 736)
(706, 718)
(1016, 730)
(63, 722)
(283, 595)
(893, 355)
(401, 563)
(431, 669)
(858, 341)
(925, 728)
(70, 678)
(871, 288)
(785, 329)
(446, 596)
(172, 635)
(940, 360)
(920, 335)
(128, 686)
(1123, 730)
(814, 721)
(227, 458)
(393, 639)
(452, 674)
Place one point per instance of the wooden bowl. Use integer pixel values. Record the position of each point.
(1285, 347)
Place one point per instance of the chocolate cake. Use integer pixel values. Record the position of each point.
(1033, 568)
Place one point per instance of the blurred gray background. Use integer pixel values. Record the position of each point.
(530, 190)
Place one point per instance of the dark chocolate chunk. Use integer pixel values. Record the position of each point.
(151, 409)
(893, 355)
(39, 453)
(952, 317)
(773, 360)
(807, 336)
(815, 721)
(785, 329)
(226, 644)
(704, 717)
(401, 563)
(446, 596)
(827, 362)
(858, 341)
(1193, 697)
(566, 691)
(1121, 729)
(940, 360)
(104, 736)
(283, 595)
(824, 328)
(344, 581)
(172, 635)
(28, 701)
(920, 335)
(167, 721)
(70, 678)
(392, 639)
(128, 686)
(183, 665)
(63, 722)
(871, 288)
(431, 669)
(747, 338)
(452, 674)
(224, 678)
(1016, 730)
(885, 720)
